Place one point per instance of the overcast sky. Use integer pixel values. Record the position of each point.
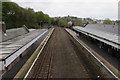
(99, 9)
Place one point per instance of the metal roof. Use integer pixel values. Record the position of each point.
(12, 45)
(107, 28)
(11, 49)
(105, 33)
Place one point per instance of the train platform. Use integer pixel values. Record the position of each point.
(12, 48)
(32, 39)
(63, 55)
(62, 58)
(111, 63)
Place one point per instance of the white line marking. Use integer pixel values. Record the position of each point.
(95, 57)
(37, 56)
(11, 58)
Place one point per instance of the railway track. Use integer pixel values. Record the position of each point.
(61, 58)
(42, 67)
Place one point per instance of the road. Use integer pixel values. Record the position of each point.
(62, 58)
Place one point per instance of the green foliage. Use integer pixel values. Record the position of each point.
(0, 10)
(78, 22)
(107, 21)
(16, 16)
(118, 22)
(63, 21)
(89, 19)
(94, 22)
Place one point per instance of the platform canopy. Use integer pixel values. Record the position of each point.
(105, 33)
(13, 48)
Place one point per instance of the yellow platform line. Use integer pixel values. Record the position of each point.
(27, 66)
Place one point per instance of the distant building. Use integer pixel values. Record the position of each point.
(70, 23)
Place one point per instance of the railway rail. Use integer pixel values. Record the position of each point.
(44, 62)
(43, 67)
(60, 57)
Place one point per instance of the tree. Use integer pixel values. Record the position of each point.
(16, 16)
(0, 10)
(107, 21)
